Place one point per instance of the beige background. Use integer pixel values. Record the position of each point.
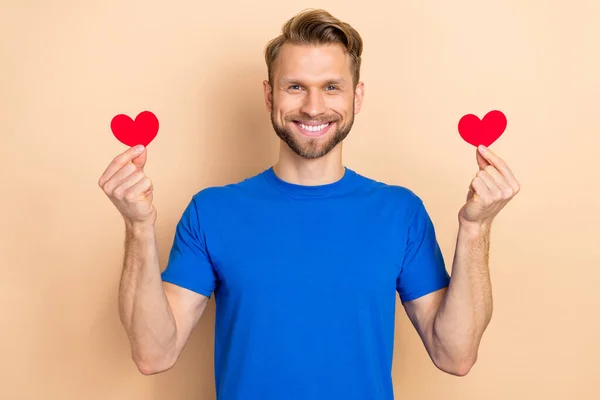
(67, 67)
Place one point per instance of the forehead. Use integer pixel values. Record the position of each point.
(312, 62)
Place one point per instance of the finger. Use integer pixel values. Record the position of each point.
(140, 160)
(471, 191)
(142, 188)
(500, 165)
(127, 184)
(500, 180)
(481, 189)
(117, 179)
(490, 183)
(482, 162)
(118, 162)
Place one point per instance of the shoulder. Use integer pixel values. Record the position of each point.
(401, 194)
(219, 196)
(392, 192)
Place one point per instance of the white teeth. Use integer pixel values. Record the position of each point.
(311, 128)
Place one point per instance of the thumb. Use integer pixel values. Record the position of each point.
(482, 162)
(140, 160)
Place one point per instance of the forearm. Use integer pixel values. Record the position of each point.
(143, 305)
(467, 307)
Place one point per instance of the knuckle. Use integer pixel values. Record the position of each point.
(121, 160)
(130, 196)
(129, 168)
(136, 175)
(118, 160)
(118, 193)
(107, 187)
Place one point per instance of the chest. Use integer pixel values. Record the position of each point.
(310, 251)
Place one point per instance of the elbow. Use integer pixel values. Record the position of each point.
(147, 366)
(462, 369)
(149, 369)
(459, 368)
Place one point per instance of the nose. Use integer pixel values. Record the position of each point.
(313, 104)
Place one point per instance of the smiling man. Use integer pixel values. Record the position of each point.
(312, 96)
(306, 258)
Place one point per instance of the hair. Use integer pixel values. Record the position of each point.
(317, 27)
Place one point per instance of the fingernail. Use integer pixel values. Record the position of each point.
(139, 148)
(482, 148)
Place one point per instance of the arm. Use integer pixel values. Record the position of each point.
(158, 316)
(466, 310)
(451, 321)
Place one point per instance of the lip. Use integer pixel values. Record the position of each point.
(314, 134)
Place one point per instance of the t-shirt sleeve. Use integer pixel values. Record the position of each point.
(189, 263)
(423, 269)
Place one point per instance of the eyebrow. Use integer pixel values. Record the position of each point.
(335, 81)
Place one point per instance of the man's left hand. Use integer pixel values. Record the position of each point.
(492, 188)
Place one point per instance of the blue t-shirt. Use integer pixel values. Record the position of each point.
(305, 281)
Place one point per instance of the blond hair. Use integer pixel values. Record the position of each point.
(317, 27)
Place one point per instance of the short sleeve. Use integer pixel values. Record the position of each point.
(423, 269)
(189, 264)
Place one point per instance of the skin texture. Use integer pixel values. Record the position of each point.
(158, 317)
(312, 84)
(451, 321)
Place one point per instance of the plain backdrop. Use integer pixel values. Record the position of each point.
(68, 67)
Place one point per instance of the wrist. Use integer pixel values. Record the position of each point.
(474, 229)
(139, 227)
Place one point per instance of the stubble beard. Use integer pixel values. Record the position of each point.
(306, 147)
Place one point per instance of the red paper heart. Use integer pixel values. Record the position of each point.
(141, 131)
(485, 131)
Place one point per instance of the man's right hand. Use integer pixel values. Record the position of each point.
(130, 190)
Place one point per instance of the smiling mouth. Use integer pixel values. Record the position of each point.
(312, 129)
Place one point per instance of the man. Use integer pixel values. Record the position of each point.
(306, 257)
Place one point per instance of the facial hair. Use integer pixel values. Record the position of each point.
(309, 148)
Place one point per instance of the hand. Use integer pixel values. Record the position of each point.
(130, 190)
(491, 189)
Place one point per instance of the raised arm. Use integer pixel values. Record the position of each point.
(158, 317)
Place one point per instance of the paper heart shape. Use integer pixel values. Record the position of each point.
(486, 131)
(141, 131)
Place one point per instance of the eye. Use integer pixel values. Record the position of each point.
(293, 86)
(334, 87)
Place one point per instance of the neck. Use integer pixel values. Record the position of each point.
(300, 171)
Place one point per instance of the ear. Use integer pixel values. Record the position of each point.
(359, 95)
(268, 94)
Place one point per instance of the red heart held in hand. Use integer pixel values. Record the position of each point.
(141, 131)
(485, 131)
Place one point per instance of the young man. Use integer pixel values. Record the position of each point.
(306, 257)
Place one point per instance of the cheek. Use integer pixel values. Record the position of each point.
(341, 104)
(285, 104)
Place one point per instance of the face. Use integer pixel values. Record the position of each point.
(312, 101)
